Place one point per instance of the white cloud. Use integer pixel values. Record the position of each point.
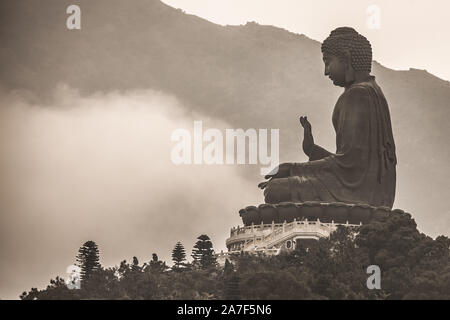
(99, 168)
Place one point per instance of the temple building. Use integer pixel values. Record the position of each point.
(276, 237)
(273, 228)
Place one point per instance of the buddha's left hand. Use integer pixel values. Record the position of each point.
(282, 171)
(263, 185)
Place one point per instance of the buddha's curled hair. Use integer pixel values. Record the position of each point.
(347, 39)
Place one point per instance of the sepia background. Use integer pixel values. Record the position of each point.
(86, 117)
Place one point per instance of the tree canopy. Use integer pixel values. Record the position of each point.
(203, 253)
(413, 266)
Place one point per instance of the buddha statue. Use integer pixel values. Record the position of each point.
(362, 170)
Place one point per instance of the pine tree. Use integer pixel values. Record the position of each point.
(178, 255)
(203, 253)
(88, 259)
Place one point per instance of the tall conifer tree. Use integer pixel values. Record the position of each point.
(178, 255)
(88, 259)
(203, 253)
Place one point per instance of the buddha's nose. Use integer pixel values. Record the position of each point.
(327, 72)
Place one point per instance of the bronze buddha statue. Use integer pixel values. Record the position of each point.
(363, 168)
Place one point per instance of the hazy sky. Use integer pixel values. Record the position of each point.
(112, 182)
(413, 33)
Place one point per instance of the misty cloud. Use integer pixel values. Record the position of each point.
(99, 168)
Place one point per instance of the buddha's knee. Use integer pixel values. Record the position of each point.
(277, 191)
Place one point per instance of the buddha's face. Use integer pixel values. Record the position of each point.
(335, 69)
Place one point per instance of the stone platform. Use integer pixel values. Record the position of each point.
(336, 212)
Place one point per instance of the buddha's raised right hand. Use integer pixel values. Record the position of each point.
(308, 140)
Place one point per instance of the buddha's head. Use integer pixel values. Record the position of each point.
(346, 54)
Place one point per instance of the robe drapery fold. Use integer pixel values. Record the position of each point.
(363, 168)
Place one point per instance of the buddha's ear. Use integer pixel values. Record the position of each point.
(347, 55)
(349, 72)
